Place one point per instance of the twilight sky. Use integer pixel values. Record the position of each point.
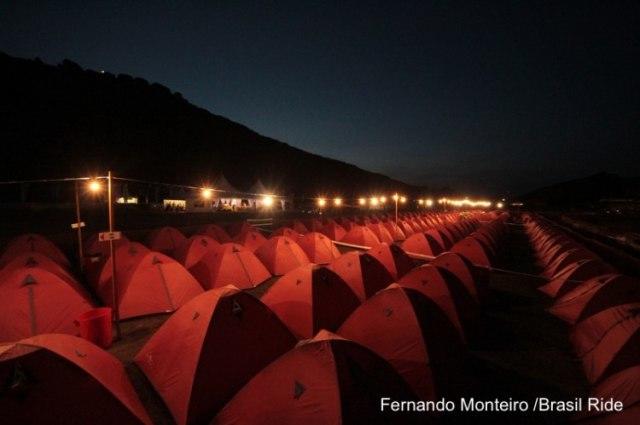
(490, 97)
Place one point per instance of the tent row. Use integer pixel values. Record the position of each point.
(320, 335)
(602, 308)
(326, 333)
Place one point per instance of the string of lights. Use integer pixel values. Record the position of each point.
(268, 199)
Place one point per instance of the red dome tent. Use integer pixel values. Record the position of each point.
(232, 264)
(35, 259)
(166, 240)
(32, 243)
(596, 295)
(381, 232)
(313, 225)
(281, 255)
(251, 240)
(127, 255)
(345, 223)
(319, 248)
(565, 259)
(446, 294)
(461, 268)
(216, 232)
(326, 380)
(209, 349)
(618, 349)
(422, 243)
(441, 239)
(94, 247)
(586, 334)
(237, 228)
(395, 231)
(473, 250)
(362, 272)
(285, 231)
(311, 298)
(446, 235)
(61, 379)
(96, 254)
(573, 276)
(298, 226)
(360, 235)
(193, 249)
(623, 386)
(151, 283)
(412, 333)
(36, 301)
(395, 260)
(333, 231)
(406, 228)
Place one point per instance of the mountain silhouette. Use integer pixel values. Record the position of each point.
(584, 191)
(65, 121)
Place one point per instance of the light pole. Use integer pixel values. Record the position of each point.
(112, 251)
(395, 199)
(78, 225)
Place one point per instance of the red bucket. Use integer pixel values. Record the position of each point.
(95, 326)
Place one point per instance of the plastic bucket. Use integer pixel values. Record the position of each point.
(95, 326)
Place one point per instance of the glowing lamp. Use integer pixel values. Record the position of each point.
(206, 193)
(267, 201)
(94, 186)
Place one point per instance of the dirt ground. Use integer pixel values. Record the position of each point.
(521, 351)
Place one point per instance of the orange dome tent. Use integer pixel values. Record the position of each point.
(326, 380)
(232, 264)
(429, 281)
(209, 349)
(333, 231)
(319, 248)
(595, 295)
(61, 379)
(193, 249)
(422, 243)
(36, 301)
(237, 228)
(574, 276)
(150, 283)
(381, 232)
(281, 254)
(285, 231)
(216, 232)
(461, 268)
(362, 272)
(35, 259)
(395, 260)
(413, 334)
(32, 243)
(311, 298)
(360, 235)
(395, 231)
(165, 240)
(251, 240)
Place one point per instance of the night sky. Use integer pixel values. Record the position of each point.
(490, 97)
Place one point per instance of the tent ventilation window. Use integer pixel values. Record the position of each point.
(298, 390)
(236, 310)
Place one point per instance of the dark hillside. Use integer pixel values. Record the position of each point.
(62, 120)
